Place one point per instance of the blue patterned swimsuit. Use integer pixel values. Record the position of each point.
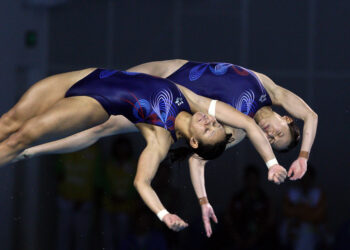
(139, 97)
(232, 84)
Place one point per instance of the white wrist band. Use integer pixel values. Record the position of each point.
(162, 213)
(211, 110)
(272, 162)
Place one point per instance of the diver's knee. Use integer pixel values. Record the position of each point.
(11, 118)
(22, 138)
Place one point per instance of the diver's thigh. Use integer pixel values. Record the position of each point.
(69, 116)
(45, 93)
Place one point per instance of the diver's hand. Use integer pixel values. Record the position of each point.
(207, 213)
(174, 222)
(297, 169)
(277, 174)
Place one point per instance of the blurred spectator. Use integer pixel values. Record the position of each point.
(119, 196)
(248, 223)
(144, 234)
(304, 209)
(76, 185)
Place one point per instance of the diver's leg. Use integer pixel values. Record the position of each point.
(37, 99)
(66, 117)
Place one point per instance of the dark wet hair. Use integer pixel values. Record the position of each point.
(205, 151)
(211, 151)
(295, 135)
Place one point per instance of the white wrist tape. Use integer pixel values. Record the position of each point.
(162, 213)
(272, 162)
(211, 110)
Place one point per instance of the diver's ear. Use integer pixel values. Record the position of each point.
(228, 129)
(230, 138)
(288, 119)
(194, 142)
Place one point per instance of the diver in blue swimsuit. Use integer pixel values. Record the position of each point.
(69, 103)
(250, 92)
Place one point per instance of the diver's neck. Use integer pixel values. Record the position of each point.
(262, 113)
(182, 125)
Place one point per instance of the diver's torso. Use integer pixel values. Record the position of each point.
(139, 97)
(232, 84)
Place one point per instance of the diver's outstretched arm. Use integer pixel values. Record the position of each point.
(114, 125)
(294, 105)
(197, 167)
(149, 160)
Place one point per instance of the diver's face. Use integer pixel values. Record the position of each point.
(206, 129)
(277, 130)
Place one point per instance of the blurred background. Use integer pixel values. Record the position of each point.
(86, 200)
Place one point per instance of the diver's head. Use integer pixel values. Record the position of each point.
(282, 132)
(207, 136)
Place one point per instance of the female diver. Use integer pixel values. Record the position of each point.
(68, 103)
